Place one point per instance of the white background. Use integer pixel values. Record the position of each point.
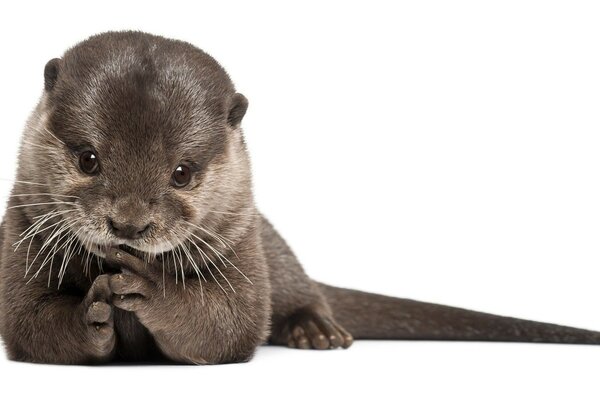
(444, 151)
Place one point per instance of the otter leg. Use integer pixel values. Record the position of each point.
(301, 316)
(51, 327)
(201, 322)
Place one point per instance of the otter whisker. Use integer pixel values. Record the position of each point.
(24, 182)
(65, 233)
(57, 234)
(67, 256)
(175, 267)
(176, 256)
(219, 255)
(187, 253)
(181, 265)
(51, 264)
(201, 252)
(204, 259)
(224, 277)
(36, 145)
(31, 236)
(43, 263)
(215, 278)
(46, 130)
(236, 268)
(57, 213)
(215, 235)
(40, 204)
(79, 248)
(84, 256)
(162, 260)
(232, 213)
(43, 194)
(57, 227)
(193, 262)
(33, 227)
(86, 243)
(37, 229)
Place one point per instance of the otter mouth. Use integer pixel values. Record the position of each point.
(139, 250)
(135, 252)
(126, 248)
(102, 249)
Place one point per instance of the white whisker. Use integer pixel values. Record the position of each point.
(232, 213)
(44, 244)
(202, 254)
(174, 266)
(24, 182)
(162, 259)
(187, 253)
(218, 237)
(46, 130)
(40, 204)
(35, 145)
(181, 266)
(57, 234)
(219, 255)
(57, 213)
(43, 194)
(33, 226)
(36, 227)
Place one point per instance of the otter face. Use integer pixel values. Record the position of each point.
(142, 137)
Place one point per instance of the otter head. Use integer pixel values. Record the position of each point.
(137, 141)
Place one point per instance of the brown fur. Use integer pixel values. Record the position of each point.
(210, 279)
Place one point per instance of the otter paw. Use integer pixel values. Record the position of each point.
(99, 317)
(101, 332)
(311, 330)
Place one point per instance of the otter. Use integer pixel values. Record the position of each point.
(131, 233)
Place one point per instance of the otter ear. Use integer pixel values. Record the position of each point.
(237, 110)
(51, 73)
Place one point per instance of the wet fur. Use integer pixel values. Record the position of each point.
(145, 104)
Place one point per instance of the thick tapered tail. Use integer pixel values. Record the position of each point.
(373, 316)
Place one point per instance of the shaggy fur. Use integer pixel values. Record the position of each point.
(121, 264)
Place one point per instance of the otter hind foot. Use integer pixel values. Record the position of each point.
(310, 329)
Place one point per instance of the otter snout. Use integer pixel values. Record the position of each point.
(127, 230)
(129, 219)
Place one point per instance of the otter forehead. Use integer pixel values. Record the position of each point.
(141, 98)
(138, 56)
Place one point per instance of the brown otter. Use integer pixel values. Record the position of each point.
(132, 235)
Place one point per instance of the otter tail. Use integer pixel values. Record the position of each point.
(373, 316)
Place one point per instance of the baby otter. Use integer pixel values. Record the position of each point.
(132, 235)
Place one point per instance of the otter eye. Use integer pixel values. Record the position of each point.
(181, 176)
(88, 162)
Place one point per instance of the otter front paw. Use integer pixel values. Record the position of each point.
(312, 329)
(98, 319)
(136, 287)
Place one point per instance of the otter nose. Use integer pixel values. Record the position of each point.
(127, 230)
